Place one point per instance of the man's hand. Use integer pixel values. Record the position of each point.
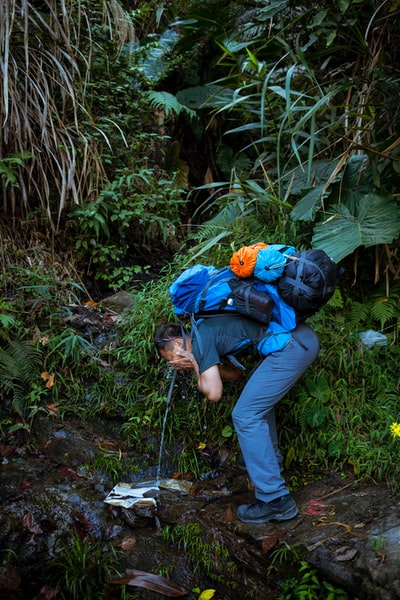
(184, 361)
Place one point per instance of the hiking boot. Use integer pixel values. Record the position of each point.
(281, 509)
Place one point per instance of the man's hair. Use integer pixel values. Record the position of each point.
(168, 333)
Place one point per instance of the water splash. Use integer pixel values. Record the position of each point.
(169, 397)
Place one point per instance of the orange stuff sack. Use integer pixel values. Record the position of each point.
(243, 260)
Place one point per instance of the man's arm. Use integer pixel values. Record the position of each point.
(210, 383)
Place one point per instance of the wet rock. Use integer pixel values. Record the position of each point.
(119, 301)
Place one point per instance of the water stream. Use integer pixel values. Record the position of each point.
(169, 396)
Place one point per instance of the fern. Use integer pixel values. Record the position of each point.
(20, 365)
(380, 310)
(384, 310)
(359, 314)
(168, 103)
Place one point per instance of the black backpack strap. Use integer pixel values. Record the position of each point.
(195, 334)
(183, 333)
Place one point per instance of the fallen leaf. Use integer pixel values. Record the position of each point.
(68, 472)
(270, 541)
(127, 543)
(345, 553)
(29, 522)
(38, 337)
(6, 450)
(46, 593)
(52, 409)
(228, 516)
(25, 484)
(82, 521)
(207, 594)
(10, 579)
(37, 334)
(148, 581)
(48, 378)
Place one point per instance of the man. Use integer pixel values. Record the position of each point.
(211, 353)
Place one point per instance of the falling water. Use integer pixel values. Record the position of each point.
(169, 396)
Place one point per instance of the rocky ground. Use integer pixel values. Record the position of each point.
(348, 530)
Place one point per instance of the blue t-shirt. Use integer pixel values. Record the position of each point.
(215, 338)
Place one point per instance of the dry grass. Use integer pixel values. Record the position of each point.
(27, 257)
(45, 57)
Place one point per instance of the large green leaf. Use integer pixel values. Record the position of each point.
(310, 203)
(377, 222)
(355, 181)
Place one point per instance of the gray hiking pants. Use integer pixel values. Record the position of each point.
(254, 415)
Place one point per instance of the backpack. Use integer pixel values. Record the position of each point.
(202, 290)
(308, 281)
(291, 285)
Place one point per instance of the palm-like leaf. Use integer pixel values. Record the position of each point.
(289, 111)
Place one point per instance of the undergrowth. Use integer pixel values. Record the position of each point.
(339, 415)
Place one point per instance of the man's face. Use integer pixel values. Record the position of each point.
(173, 349)
(170, 350)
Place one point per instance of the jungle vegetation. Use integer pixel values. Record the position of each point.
(140, 138)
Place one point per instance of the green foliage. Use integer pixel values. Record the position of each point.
(300, 580)
(70, 347)
(85, 567)
(114, 464)
(168, 103)
(8, 170)
(244, 210)
(378, 309)
(116, 233)
(378, 546)
(53, 76)
(208, 558)
(314, 136)
(8, 318)
(20, 368)
(308, 585)
(42, 291)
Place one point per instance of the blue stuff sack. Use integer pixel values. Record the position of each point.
(271, 261)
(202, 291)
